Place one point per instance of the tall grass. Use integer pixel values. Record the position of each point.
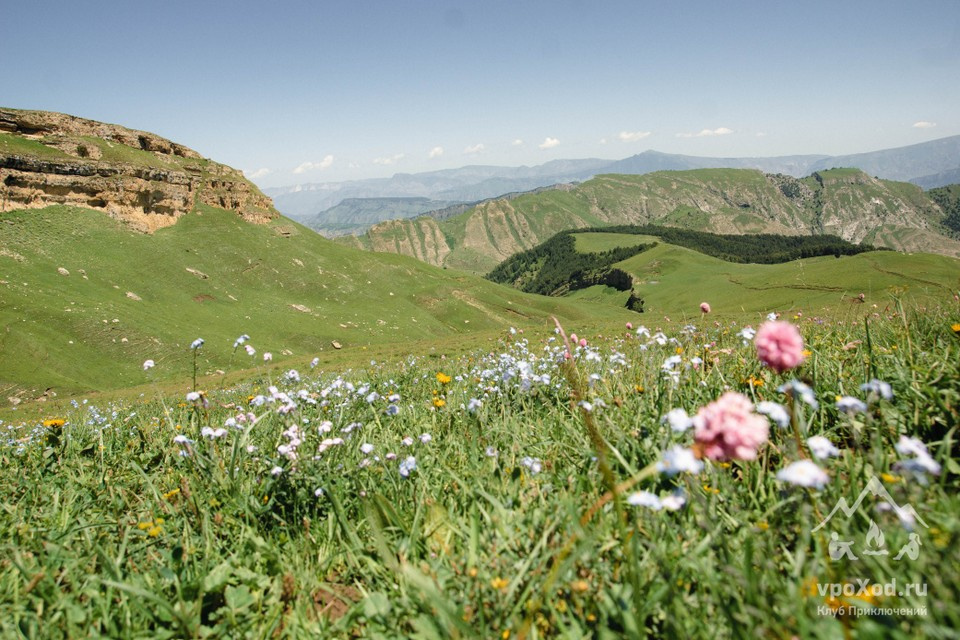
(490, 497)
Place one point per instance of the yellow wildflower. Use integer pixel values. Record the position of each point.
(499, 583)
(439, 402)
(443, 378)
(579, 585)
(54, 423)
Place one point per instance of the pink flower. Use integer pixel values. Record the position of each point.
(573, 338)
(705, 307)
(583, 342)
(727, 428)
(779, 345)
(629, 326)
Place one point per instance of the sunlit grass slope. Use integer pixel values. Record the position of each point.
(85, 301)
(597, 241)
(674, 280)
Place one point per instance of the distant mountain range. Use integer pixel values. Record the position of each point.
(928, 164)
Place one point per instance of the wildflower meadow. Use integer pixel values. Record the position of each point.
(783, 476)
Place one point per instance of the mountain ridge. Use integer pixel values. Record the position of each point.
(479, 182)
(843, 202)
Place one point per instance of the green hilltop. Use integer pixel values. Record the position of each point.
(843, 202)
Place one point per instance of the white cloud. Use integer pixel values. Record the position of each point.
(633, 136)
(388, 160)
(259, 173)
(436, 152)
(517, 143)
(474, 148)
(706, 133)
(549, 143)
(603, 141)
(761, 134)
(923, 124)
(326, 163)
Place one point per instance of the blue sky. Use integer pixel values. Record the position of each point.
(295, 92)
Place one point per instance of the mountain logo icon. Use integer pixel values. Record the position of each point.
(907, 513)
(874, 543)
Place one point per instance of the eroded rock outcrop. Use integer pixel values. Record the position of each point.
(138, 177)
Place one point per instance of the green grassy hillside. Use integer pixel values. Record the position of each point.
(736, 274)
(86, 300)
(597, 242)
(843, 202)
(675, 280)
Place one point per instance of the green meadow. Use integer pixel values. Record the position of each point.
(674, 280)
(86, 301)
(462, 466)
(507, 492)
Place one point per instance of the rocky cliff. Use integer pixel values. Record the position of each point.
(141, 178)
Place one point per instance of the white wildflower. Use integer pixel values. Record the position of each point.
(677, 419)
(679, 459)
(775, 411)
(822, 448)
(851, 405)
(804, 473)
(645, 499)
(407, 466)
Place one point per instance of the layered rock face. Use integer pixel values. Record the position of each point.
(138, 177)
